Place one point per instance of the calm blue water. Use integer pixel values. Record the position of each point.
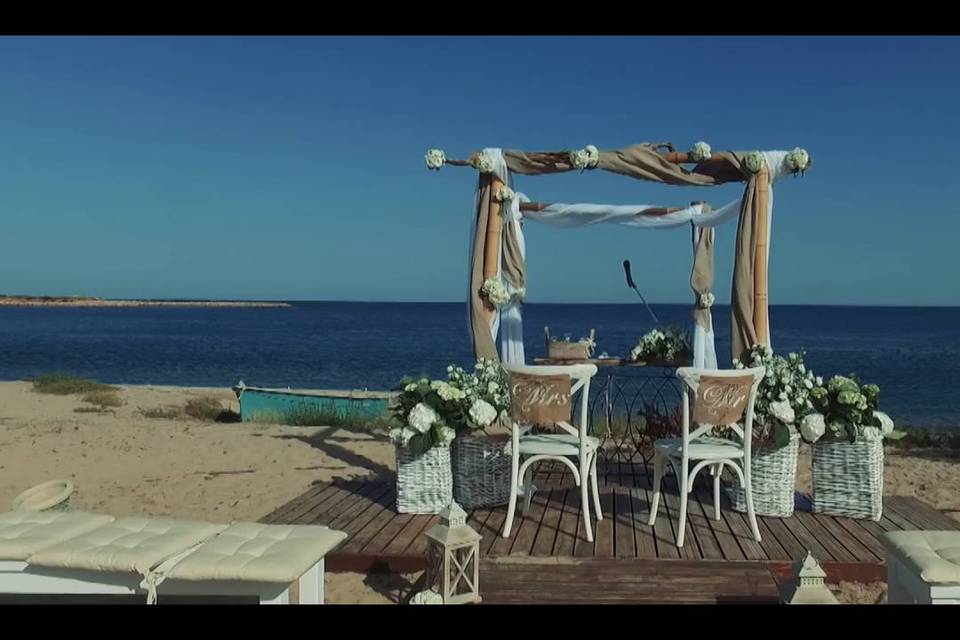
(912, 353)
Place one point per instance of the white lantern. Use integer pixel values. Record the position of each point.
(808, 586)
(453, 558)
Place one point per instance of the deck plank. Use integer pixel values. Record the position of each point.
(824, 536)
(643, 534)
(567, 528)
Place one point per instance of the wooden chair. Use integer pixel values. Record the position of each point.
(542, 395)
(721, 398)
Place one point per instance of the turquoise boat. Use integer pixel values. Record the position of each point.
(287, 405)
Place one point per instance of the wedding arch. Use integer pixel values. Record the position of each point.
(497, 283)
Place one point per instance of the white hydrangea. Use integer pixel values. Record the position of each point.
(422, 417)
(505, 193)
(706, 300)
(797, 160)
(782, 411)
(495, 292)
(427, 597)
(871, 434)
(754, 161)
(700, 152)
(483, 413)
(812, 427)
(483, 163)
(435, 159)
(886, 423)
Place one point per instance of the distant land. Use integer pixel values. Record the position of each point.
(90, 301)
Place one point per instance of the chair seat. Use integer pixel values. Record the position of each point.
(703, 448)
(934, 556)
(554, 444)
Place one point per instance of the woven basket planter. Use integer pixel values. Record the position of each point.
(424, 482)
(848, 478)
(773, 474)
(481, 471)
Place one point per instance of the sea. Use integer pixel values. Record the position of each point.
(912, 353)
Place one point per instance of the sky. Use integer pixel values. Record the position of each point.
(292, 167)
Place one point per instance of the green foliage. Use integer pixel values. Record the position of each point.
(847, 406)
(62, 384)
(206, 409)
(166, 413)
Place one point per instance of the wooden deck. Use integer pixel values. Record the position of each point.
(380, 538)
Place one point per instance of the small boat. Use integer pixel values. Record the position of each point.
(308, 406)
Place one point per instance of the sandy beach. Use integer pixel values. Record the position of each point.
(125, 463)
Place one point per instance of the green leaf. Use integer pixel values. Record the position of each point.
(781, 435)
(895, 435)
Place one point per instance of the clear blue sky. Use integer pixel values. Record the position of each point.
(292, 168)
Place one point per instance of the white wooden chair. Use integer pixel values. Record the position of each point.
(572, 443)
(723, 397)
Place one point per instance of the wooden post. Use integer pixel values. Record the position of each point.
(760, 282)
(491, 253)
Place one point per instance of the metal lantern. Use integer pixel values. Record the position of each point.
(808, 586)
(453, 558)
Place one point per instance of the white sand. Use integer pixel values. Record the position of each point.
(124, 463)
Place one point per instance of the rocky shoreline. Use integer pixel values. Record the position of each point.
(82, 301)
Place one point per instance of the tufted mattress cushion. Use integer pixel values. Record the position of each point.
(933, 555)
(259, 553)
(23, 533)
(132, 544)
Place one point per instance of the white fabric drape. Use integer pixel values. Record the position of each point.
(704, 348)
(511, 316)
(631, 215)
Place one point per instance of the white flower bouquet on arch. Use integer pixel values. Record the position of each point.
(669, 345)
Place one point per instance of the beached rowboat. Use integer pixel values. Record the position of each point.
(298, 406)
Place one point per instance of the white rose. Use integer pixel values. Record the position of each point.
(483, 163)
(435, 159)
(754, 161)
(422, 417)
(505, 193)
(812, 427)
(483, 413)
(808, 384)
(579, 159)
(886, 423)
(593, 156)
(798, 160)
(446, 436)
(700, 152)
(411, 387)
(706, 300)
(782, 411)
(819, 381)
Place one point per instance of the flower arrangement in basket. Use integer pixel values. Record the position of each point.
(668, 346)
(566, 349)
(847, 434)
(783, 399)
(426, 417)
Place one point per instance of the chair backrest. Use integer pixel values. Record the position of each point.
(544, 395)
(723, 397)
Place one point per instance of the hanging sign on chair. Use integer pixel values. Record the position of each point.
(539, 399)
(721, 400)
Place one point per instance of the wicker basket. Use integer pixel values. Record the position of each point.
(773, 476)
(481, 471)
(424, 482)
(848, 478)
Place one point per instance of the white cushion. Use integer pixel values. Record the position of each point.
(703, 448)
(259, 553)
(554, 444)
(132, 544)
(932, 555)
(23, 533)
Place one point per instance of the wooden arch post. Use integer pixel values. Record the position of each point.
(491, 246)
(760, 280)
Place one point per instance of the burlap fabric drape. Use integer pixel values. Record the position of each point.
(480, 309)
(643, 161)
(701, 277)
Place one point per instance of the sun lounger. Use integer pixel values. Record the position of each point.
(923, 567)
(82, 553)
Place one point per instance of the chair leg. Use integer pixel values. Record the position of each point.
(596, 492)
(716, 491)
(585, 498)
(528, 490)
(657, 479)
(514, 481)
(682, 487)
(748, 488)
